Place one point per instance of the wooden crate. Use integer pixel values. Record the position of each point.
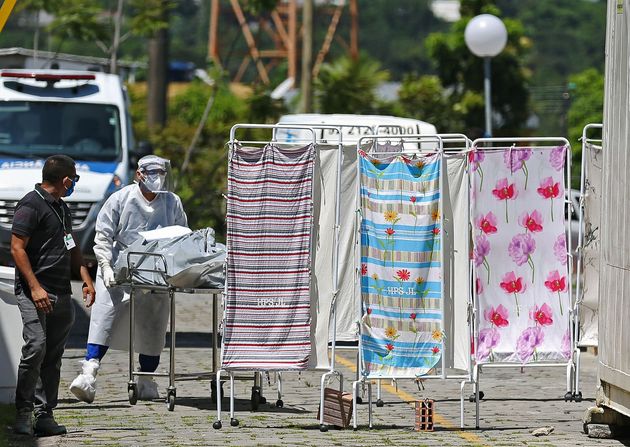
(424, 415)
(337, 408)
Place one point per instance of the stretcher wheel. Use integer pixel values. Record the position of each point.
(234, 422)
(323, 428)
(217, 425)
(279, 403)
(132, 392)
(263, 399)
(568, 396)
(577, 396)
(380, 403)
(472, 397)
(170, 402)
(359, 400)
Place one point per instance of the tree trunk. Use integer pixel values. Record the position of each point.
(113, 61)
(307, 57)
(157, 79)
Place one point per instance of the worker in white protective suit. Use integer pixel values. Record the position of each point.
(142, 206)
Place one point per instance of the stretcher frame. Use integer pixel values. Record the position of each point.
(579, 291)
(572, 314)
(161, 271)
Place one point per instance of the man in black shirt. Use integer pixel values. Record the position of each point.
(45, 255)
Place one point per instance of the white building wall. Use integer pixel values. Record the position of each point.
(614, 295)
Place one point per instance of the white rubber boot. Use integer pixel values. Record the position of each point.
(84, 385)
(147, 388)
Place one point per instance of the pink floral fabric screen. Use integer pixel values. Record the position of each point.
(520, 254)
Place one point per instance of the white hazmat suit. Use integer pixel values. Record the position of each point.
(126, 213)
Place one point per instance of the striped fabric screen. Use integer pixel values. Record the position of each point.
(401, 325)
(269, 219)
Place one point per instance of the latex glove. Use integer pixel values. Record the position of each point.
(108, 276)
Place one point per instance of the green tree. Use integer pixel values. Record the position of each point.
(202, 186)
(461, 72)
(347, 86)
(569, 36)
(73, 19)
(393, 33)
(587, 106)
(262, 108)
(425, 98)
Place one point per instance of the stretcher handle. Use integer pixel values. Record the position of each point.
(133, 269)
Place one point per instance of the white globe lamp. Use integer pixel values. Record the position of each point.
(485, 37)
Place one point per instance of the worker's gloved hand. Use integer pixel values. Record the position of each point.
(108, 276)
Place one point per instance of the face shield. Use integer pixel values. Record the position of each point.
(154, 174)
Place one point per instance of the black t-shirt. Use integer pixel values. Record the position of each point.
(42, 218)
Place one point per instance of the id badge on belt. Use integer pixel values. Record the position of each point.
(69, 241)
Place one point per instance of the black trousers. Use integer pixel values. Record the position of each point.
(45, 337)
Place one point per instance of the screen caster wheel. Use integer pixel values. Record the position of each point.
(568, 396)
(170, 402)
(380, 403)
(279, 403)
(323, 428)
(577, 396)
(234, 422)
(132, 391)
(217, 425)
(256, 398)
(472, 397)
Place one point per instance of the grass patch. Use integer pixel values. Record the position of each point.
(261, 418)
(7, 417)
(189, 421)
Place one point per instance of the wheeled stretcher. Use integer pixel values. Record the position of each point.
(136, 280)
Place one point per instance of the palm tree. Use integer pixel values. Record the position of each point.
(348, 86)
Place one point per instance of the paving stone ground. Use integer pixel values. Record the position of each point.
(515, 404)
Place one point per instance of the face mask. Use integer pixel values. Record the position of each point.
(70, 190)
(154, 182)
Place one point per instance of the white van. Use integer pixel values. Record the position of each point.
(81, 114)
(354, 126)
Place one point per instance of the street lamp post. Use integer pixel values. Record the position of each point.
(485, 37)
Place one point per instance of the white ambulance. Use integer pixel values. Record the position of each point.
(354, 126)
(81, 114)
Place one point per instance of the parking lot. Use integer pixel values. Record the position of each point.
(515, 404)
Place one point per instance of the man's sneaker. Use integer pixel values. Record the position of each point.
(47, 426)
(23, 423)
(147, 388)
